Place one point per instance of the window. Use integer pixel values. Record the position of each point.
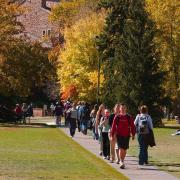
(49, 32)
(44, 33)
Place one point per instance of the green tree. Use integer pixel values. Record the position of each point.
(107, 43)
(137, 78)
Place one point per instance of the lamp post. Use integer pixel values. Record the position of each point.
(98, 83)
(99, 68)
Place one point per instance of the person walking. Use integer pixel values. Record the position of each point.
(67, 105)
(72, 119)
(52, 109)
(105, 139)
(123, 127)
(78, 115)
(113, 140)
(84, 117)
(93, 121)
(98, 128)
(144, 126)
(24, 112)
(18, 113)
(29, 111)
(58, 113)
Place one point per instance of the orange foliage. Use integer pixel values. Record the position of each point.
(69, 92)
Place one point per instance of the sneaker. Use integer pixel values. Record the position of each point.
(104, 157)
(108, 157)
(117, 162)
(122, 166)
(111, 161)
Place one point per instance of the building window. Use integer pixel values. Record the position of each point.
(49, 32)
(44, 33)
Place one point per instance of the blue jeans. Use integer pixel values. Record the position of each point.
(84, 127)
(143, 150)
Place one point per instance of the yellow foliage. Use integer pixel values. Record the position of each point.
(166, 14)
(78, 62)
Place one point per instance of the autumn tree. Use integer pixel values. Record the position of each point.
(78, 62)
(9, 27)
(27, 69)
(166, 15)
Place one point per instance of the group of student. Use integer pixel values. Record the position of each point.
(114, 131)
(23, 111)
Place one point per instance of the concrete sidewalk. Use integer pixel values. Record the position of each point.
(132, 170)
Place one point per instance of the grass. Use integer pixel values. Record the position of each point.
(47, 153)
(166, 154)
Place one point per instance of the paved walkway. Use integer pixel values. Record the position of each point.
(132, 170)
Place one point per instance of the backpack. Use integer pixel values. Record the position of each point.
(143, 124)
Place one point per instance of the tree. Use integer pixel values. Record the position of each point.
(166, 15)
(107, 43)
(9, 27)
(137, 77)
(78, 62)
(27, 69)
(8, 24)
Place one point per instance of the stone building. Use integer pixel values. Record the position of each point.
(35, 20)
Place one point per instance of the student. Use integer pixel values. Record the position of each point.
(93, 120)
(123, 127)
(58, 113)
(78, 107)
(24, 112)
(29, 112)
(72, 119)
(52, 109)
(105, 139)
(18, 112)
(143, 123)
(113, 140)
(98, 129)
(84, 117)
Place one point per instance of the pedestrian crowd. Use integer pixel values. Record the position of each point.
(113, 131)
(23, 111)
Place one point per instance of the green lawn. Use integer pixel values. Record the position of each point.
(47, 153)
(166, 155)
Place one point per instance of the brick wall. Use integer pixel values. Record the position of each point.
(35, 19)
